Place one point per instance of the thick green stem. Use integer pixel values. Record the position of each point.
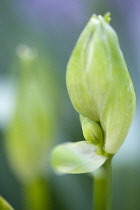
(102, 187)
(36, 195)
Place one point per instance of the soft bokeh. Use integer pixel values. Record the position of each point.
(53, 27)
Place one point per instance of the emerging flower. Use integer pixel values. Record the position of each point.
(102, 93)
(99, 84)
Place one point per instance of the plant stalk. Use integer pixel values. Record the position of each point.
(37, 195)
(102, 187)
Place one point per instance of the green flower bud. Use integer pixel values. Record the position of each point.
(33, 126)
(99, 84)
(91, 130)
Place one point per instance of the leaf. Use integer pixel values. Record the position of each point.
(4, 205)
(76, 158)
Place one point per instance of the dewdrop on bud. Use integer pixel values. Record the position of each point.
(99, 85)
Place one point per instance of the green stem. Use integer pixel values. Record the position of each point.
(102, 187)
(36, 195)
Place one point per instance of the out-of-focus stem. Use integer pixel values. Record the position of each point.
(37, 195)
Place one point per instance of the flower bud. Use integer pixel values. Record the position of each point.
(33, 126)
(91, 130)
(99, 84)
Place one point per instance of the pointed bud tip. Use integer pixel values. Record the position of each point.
(107, 17)
(96, 18)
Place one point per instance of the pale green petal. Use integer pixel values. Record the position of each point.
(76, 158)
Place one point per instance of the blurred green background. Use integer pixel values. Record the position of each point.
(50, 29)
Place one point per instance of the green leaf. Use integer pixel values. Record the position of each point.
(76, 158)
(4, 205)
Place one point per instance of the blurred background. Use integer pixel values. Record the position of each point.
(36, 40)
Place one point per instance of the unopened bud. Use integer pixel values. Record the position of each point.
(99, 84)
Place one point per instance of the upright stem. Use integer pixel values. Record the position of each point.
(36, 195)
(102, 187)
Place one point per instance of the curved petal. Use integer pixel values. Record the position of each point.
(76, 158)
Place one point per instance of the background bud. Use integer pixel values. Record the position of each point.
(33, 125)
(99, 84)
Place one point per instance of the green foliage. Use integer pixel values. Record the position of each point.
(4, 205)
